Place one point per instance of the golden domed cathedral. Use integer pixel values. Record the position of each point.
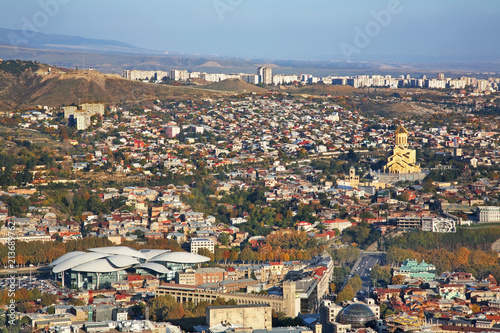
(403, 159)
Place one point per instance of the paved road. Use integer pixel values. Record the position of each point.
(26, 270)
(363, 267)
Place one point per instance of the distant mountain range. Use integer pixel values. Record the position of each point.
(111, 56)
(37, 40)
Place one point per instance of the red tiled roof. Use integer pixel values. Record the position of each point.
(134, 278)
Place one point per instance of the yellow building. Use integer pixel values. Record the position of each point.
(352, 179)
(403, 159)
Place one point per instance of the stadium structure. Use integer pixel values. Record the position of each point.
(102, 266)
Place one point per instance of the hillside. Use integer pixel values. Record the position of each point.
(35, 87)
(321, 89)
(234, 85)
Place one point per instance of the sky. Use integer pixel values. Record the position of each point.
(336, 30)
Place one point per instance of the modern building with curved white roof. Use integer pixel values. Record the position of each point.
(180, 258)
(104, 265)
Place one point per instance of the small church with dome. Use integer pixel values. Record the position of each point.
(403, 158)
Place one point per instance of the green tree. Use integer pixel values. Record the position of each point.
(218, 254)
(206, 252)
(48, 299)
(233, 255)
(75, 302)
(381, 275)
(346, 294)
(224, 238)
(356, 283)
(247, 254)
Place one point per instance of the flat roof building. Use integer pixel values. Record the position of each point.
(488, 214)
(256, 316)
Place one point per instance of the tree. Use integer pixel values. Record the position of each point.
(225, 255)
(366, 215)
(398, 279)
(381, 275)
(206, 252)
(352, 156)
(75, 302)
(233, 255)
(356, 283)
(137, 310)
(224, 238)
(217, 254)
(346, 294)
(475, 308)
(48, 299)
(383, 310)
(246, 254)
(164, 308)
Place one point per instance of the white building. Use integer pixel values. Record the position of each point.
(93, 108)
(179, 75)
(217, 77)
(333, 117)
(265, 75)
(439, 224)
(134, 74)
(69, 111)
(172, 131)
(284, 79)
(198, 129)
(435, 84)
(82, 121)
(488, 214)
(237, 220)
(198, 243)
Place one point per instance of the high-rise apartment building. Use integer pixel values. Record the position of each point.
(172, 131)
(265, 75)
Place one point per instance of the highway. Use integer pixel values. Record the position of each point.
(363, 267)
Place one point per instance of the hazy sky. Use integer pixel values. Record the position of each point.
(285, 29)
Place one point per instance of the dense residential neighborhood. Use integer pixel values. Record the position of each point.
(311, 211)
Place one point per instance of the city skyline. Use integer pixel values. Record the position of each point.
(394, 30)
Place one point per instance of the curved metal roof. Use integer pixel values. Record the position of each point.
(65, 257)
(77, 260)
(119, 250)
(110, 259)
(154, 267)
(181, 258)
(356, 314)
(151, 253)
(121, 260)
(99, 266)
